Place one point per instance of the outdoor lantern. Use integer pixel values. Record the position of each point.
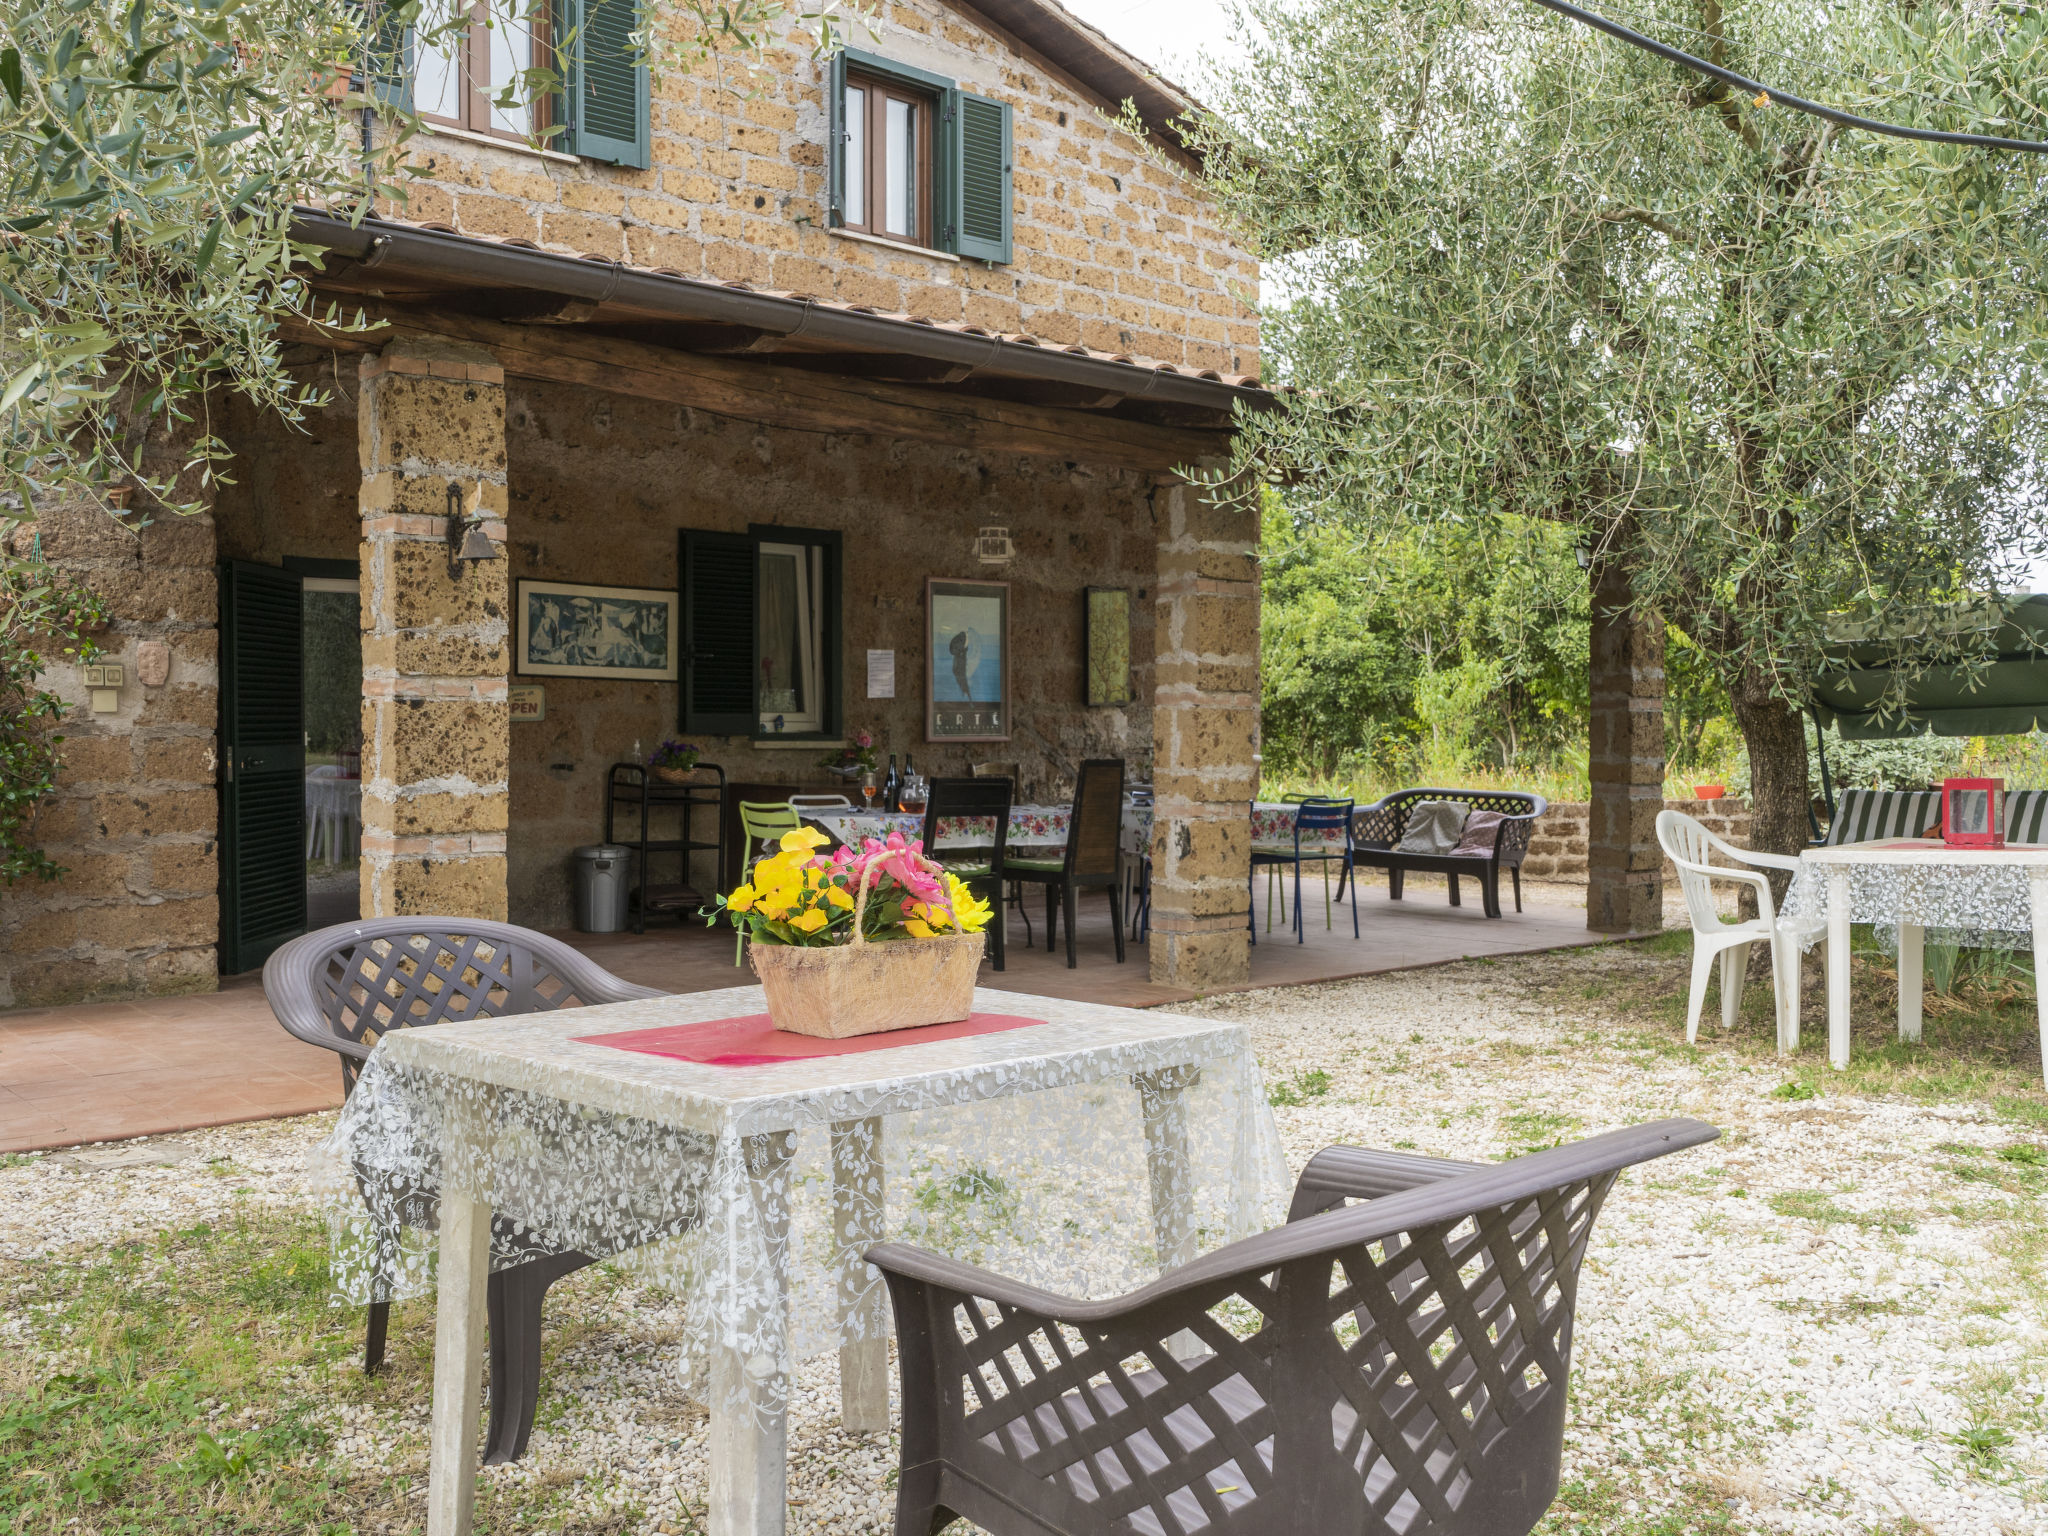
(467, 541)
(1973, 813)
(992, 545)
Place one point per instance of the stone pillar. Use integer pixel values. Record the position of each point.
(1205, 729)
(134, 819)
(436, 723)
(1624, 867)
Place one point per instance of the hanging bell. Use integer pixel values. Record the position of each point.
(476, 545)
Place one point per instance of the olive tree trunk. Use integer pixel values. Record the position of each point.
(1775, 734)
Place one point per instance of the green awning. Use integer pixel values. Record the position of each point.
(2004, 697)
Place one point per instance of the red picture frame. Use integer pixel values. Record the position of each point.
(1973, 813)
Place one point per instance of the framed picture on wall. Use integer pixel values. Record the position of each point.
(967, 660)
(624, 633)
(1109, 645)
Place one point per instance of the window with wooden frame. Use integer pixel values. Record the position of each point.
(458, 78)
(761, 632)
(914, 158)
(888, 157)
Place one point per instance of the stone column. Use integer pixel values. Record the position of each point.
(1205, 728)
(1624, 868)
(436, 724)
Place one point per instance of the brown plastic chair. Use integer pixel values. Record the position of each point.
(1393, 1368)
(343, 988)
(1094, 855)
(975, 800)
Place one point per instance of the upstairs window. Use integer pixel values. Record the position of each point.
(459, 77)
(915, 159)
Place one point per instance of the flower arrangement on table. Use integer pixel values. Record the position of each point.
(858, 941)
(674, 760)
(855, 760)
(801, 896)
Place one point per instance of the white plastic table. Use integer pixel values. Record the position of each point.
(1143, 1130)
(1979, 895)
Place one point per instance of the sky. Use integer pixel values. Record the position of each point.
(1168, 34)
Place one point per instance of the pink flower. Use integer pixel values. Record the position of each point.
(865, 739)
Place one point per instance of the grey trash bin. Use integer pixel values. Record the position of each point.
(601, 888)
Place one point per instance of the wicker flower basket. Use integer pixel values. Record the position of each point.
(857, 988)
(676, 775)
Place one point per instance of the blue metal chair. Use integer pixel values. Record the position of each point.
(1319, 818)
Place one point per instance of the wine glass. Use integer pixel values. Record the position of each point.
(914, 794)
(867, 789)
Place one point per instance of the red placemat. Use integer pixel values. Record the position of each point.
(754, 1041)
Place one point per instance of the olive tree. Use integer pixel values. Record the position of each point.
(1774, 370)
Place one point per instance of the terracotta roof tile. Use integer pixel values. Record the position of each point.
(1018, 338)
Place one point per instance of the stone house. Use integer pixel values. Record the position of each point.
(726, 381)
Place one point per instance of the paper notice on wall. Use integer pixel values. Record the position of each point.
(881, 674)
(529, 702)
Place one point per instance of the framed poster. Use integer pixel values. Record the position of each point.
(624, 633)
(967, 660)
(1109, 645)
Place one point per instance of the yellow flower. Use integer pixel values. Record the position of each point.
(809, 922)
(803, 840)
(836, 894)
(917, 928)
(743, 899)
(970, 913)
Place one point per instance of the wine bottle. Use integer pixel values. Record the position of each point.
(892, 787)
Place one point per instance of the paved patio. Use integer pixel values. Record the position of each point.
(108, 1071)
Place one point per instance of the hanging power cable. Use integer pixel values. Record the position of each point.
(1797, 103)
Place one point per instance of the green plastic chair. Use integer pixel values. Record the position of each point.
(764, 822)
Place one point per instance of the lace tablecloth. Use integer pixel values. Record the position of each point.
(1967, 897)
(1083, 1154)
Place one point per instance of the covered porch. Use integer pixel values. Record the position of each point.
(620, 430)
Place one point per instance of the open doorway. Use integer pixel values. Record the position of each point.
(332, 694)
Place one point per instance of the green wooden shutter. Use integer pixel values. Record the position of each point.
(980, 181)
(835, 141)
(717, 582)
(386, 68)
(605, 101)
(263, 764)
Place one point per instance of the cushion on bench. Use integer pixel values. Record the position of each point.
(1874, 815)
(1434, 826)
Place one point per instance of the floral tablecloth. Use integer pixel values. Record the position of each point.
(1039, 826)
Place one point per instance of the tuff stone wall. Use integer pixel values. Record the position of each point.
(600, 486)
(134, 819)
(435, 719)
(1112, 250)
(1557, 847)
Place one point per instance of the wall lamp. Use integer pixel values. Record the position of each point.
(467, 541)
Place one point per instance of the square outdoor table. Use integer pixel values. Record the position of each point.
(1087, 1152)
(1969, 896)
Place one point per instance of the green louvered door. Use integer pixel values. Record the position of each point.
(605, 93)
(263, 764)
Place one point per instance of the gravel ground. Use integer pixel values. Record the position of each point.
(1832, 1320)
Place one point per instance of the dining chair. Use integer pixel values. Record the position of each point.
(763, 822)
(982, 869)
(1014, 896)
(1093, 857)
(346, 987)
(1690, 848)
(1393, 1361)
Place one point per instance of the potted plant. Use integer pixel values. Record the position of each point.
(674, 762)
(853, 761)
(858, 941)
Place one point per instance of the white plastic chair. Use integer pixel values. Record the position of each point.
(804, 803)
(1689, 847)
